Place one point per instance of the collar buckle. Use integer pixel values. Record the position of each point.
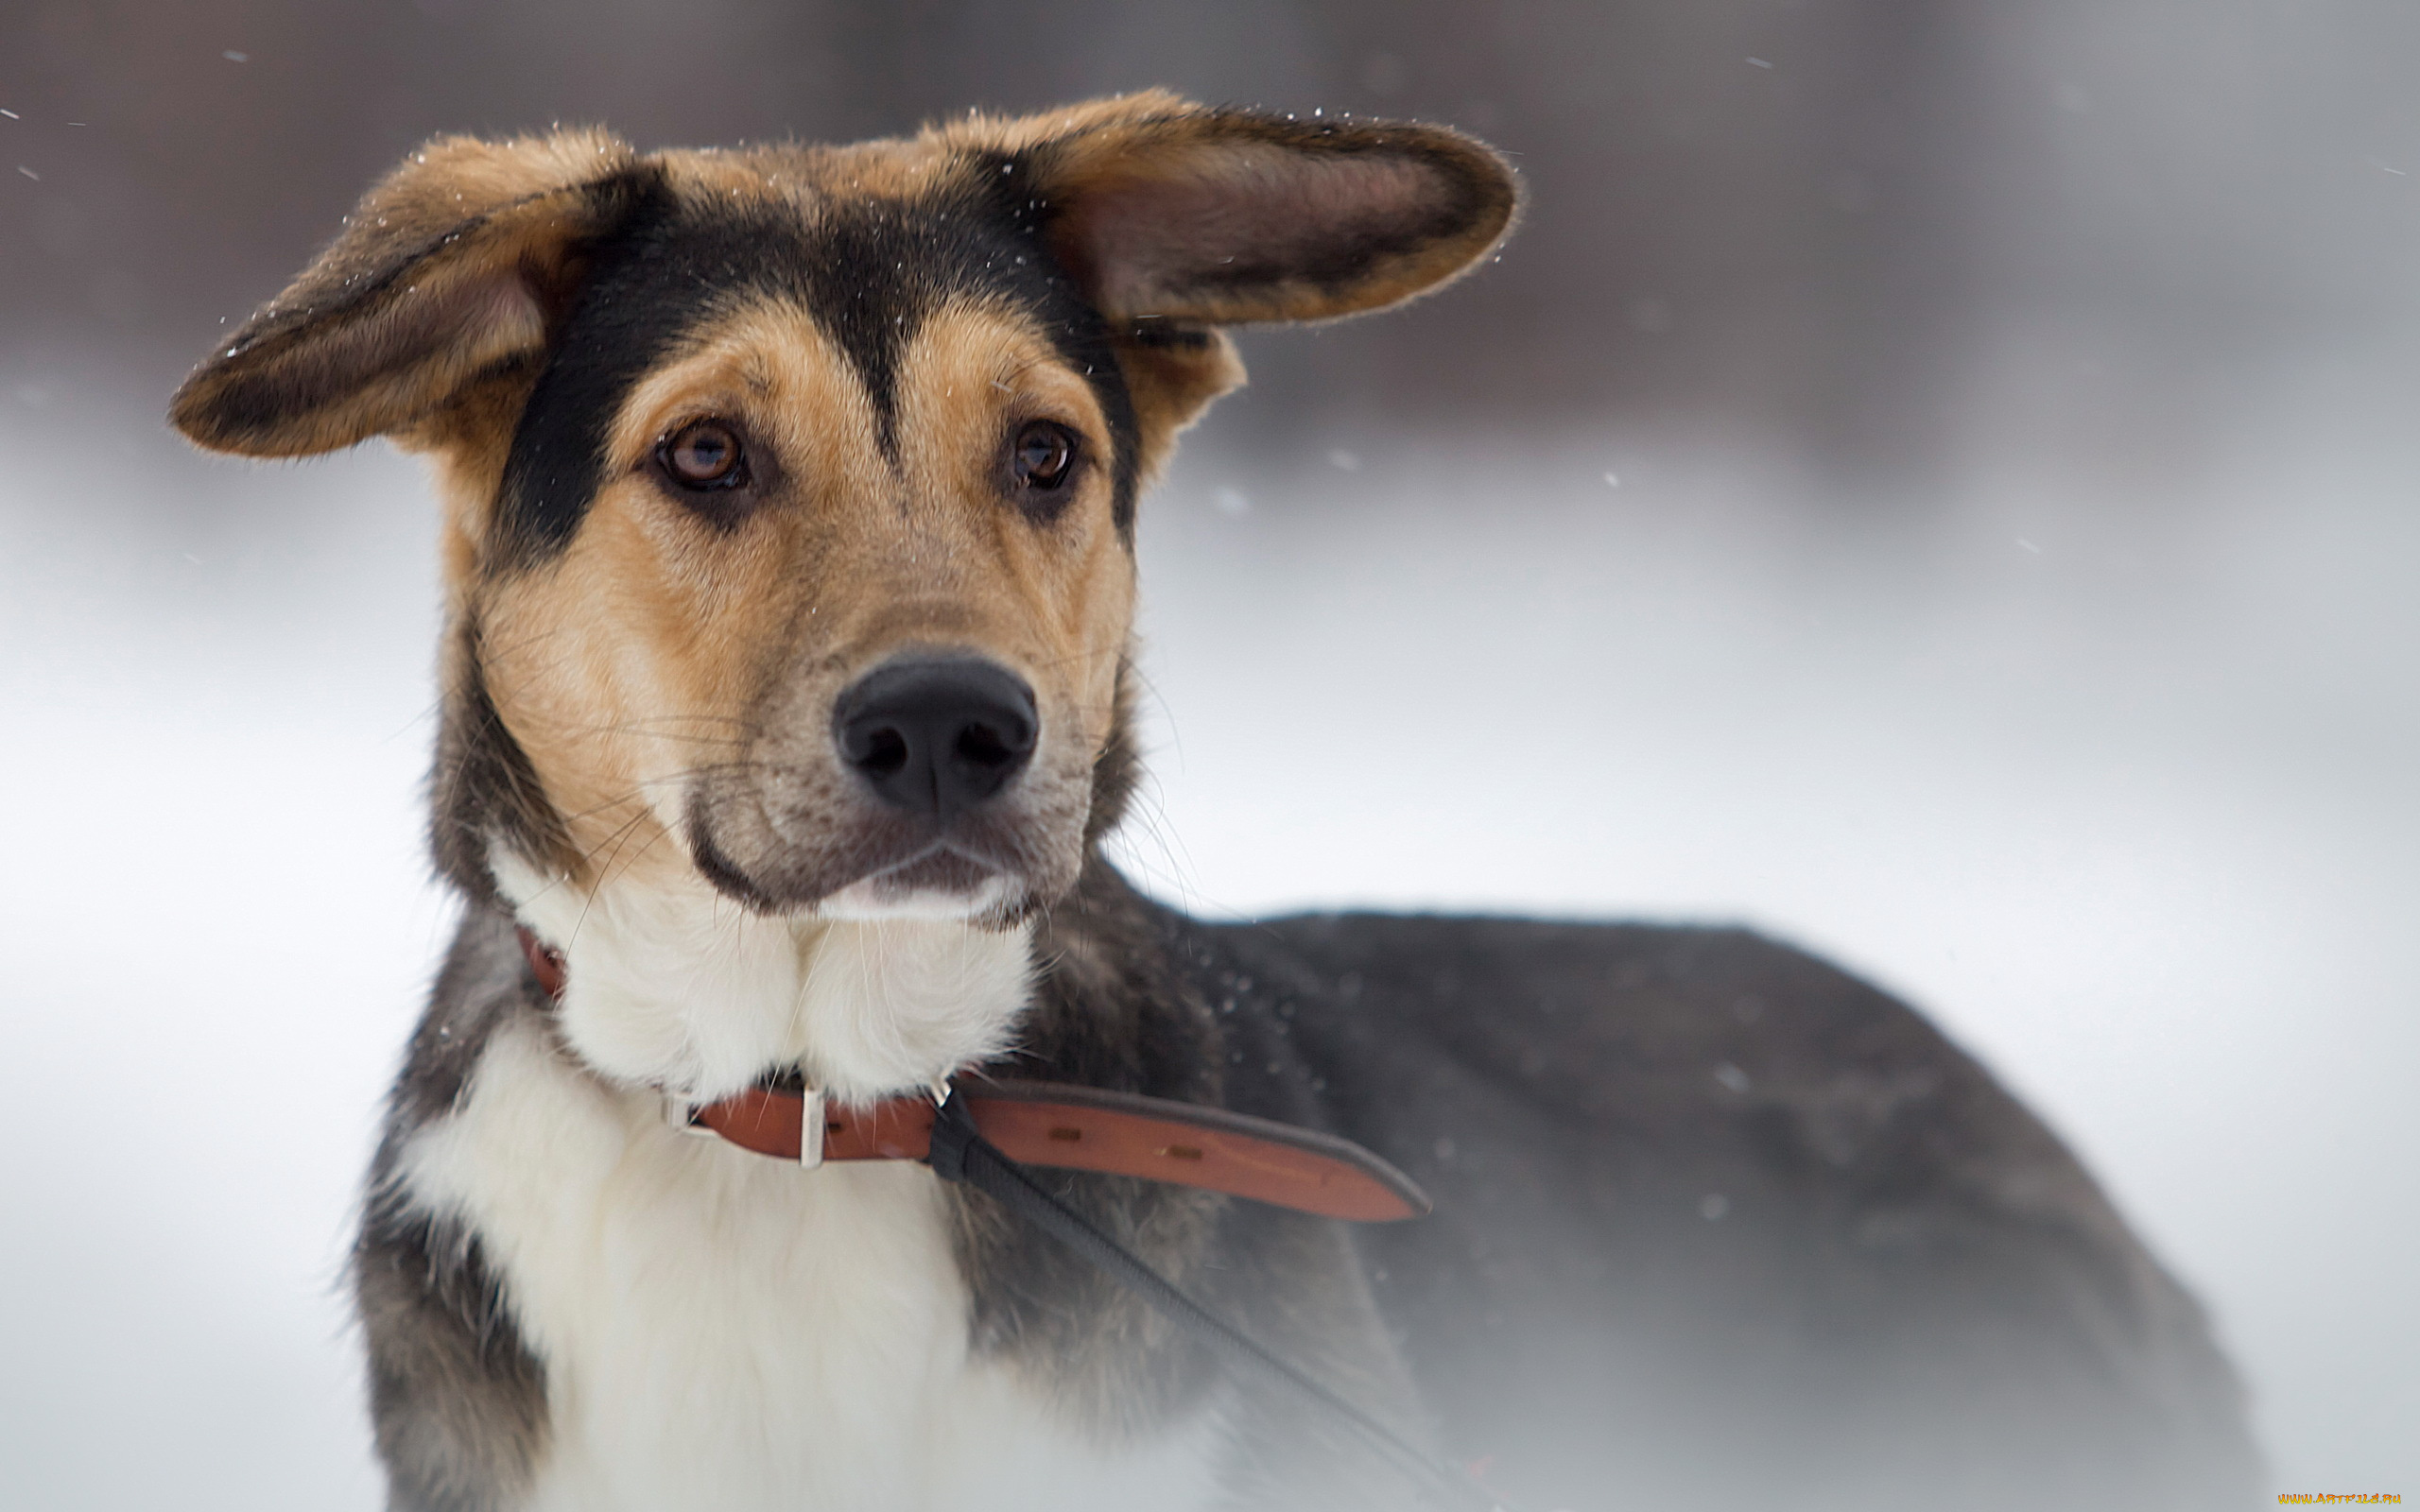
(686, 1117)
(810, 1130)
(681, 1115)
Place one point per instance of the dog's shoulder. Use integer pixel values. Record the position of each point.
(1119, 995)
(458, 1401)
(483, 986)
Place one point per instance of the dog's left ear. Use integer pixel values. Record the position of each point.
(1165, 211)
(1177, 219)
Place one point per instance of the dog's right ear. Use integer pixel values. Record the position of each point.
(459, 263)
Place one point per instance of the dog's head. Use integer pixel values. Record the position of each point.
(791, 490)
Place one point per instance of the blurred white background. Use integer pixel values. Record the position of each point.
(1994, 572)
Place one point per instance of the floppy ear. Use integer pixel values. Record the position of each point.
(454, 265)
(1176, 219)
(1169, 210)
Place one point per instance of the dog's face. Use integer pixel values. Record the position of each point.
(791, 491)
(823, 572)
(848, 622)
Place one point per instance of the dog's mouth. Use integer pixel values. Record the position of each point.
(871, 876)
(942, 881)
(866, 863)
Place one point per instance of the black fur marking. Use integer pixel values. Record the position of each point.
(1109, 1011)
(456, 1400)
(870, 272)
(1163, 335)
(483, 789)
(610, 333)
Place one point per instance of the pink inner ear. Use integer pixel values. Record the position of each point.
(1220, 227)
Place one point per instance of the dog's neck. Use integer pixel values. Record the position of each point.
(673, 986)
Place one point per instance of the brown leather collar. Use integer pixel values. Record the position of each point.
(1077, 1128)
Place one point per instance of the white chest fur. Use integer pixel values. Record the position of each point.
(673, 986)
(720, 1329)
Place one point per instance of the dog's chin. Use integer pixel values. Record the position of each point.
(966, 893)
(940, 884)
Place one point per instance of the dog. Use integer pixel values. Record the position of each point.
(789, 545)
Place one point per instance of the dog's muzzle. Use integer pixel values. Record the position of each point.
(925, 788)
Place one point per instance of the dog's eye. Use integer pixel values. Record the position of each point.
(704, 455)
(1043, 456)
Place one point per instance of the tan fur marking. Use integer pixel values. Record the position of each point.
(1171, 387)
(1059, 595)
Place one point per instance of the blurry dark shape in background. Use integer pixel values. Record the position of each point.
(1807, 218)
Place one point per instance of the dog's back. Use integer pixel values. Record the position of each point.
(1721, 1225)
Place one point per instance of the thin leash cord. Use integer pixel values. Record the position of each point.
(961, 1154)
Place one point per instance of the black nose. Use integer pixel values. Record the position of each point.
(936, 735)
